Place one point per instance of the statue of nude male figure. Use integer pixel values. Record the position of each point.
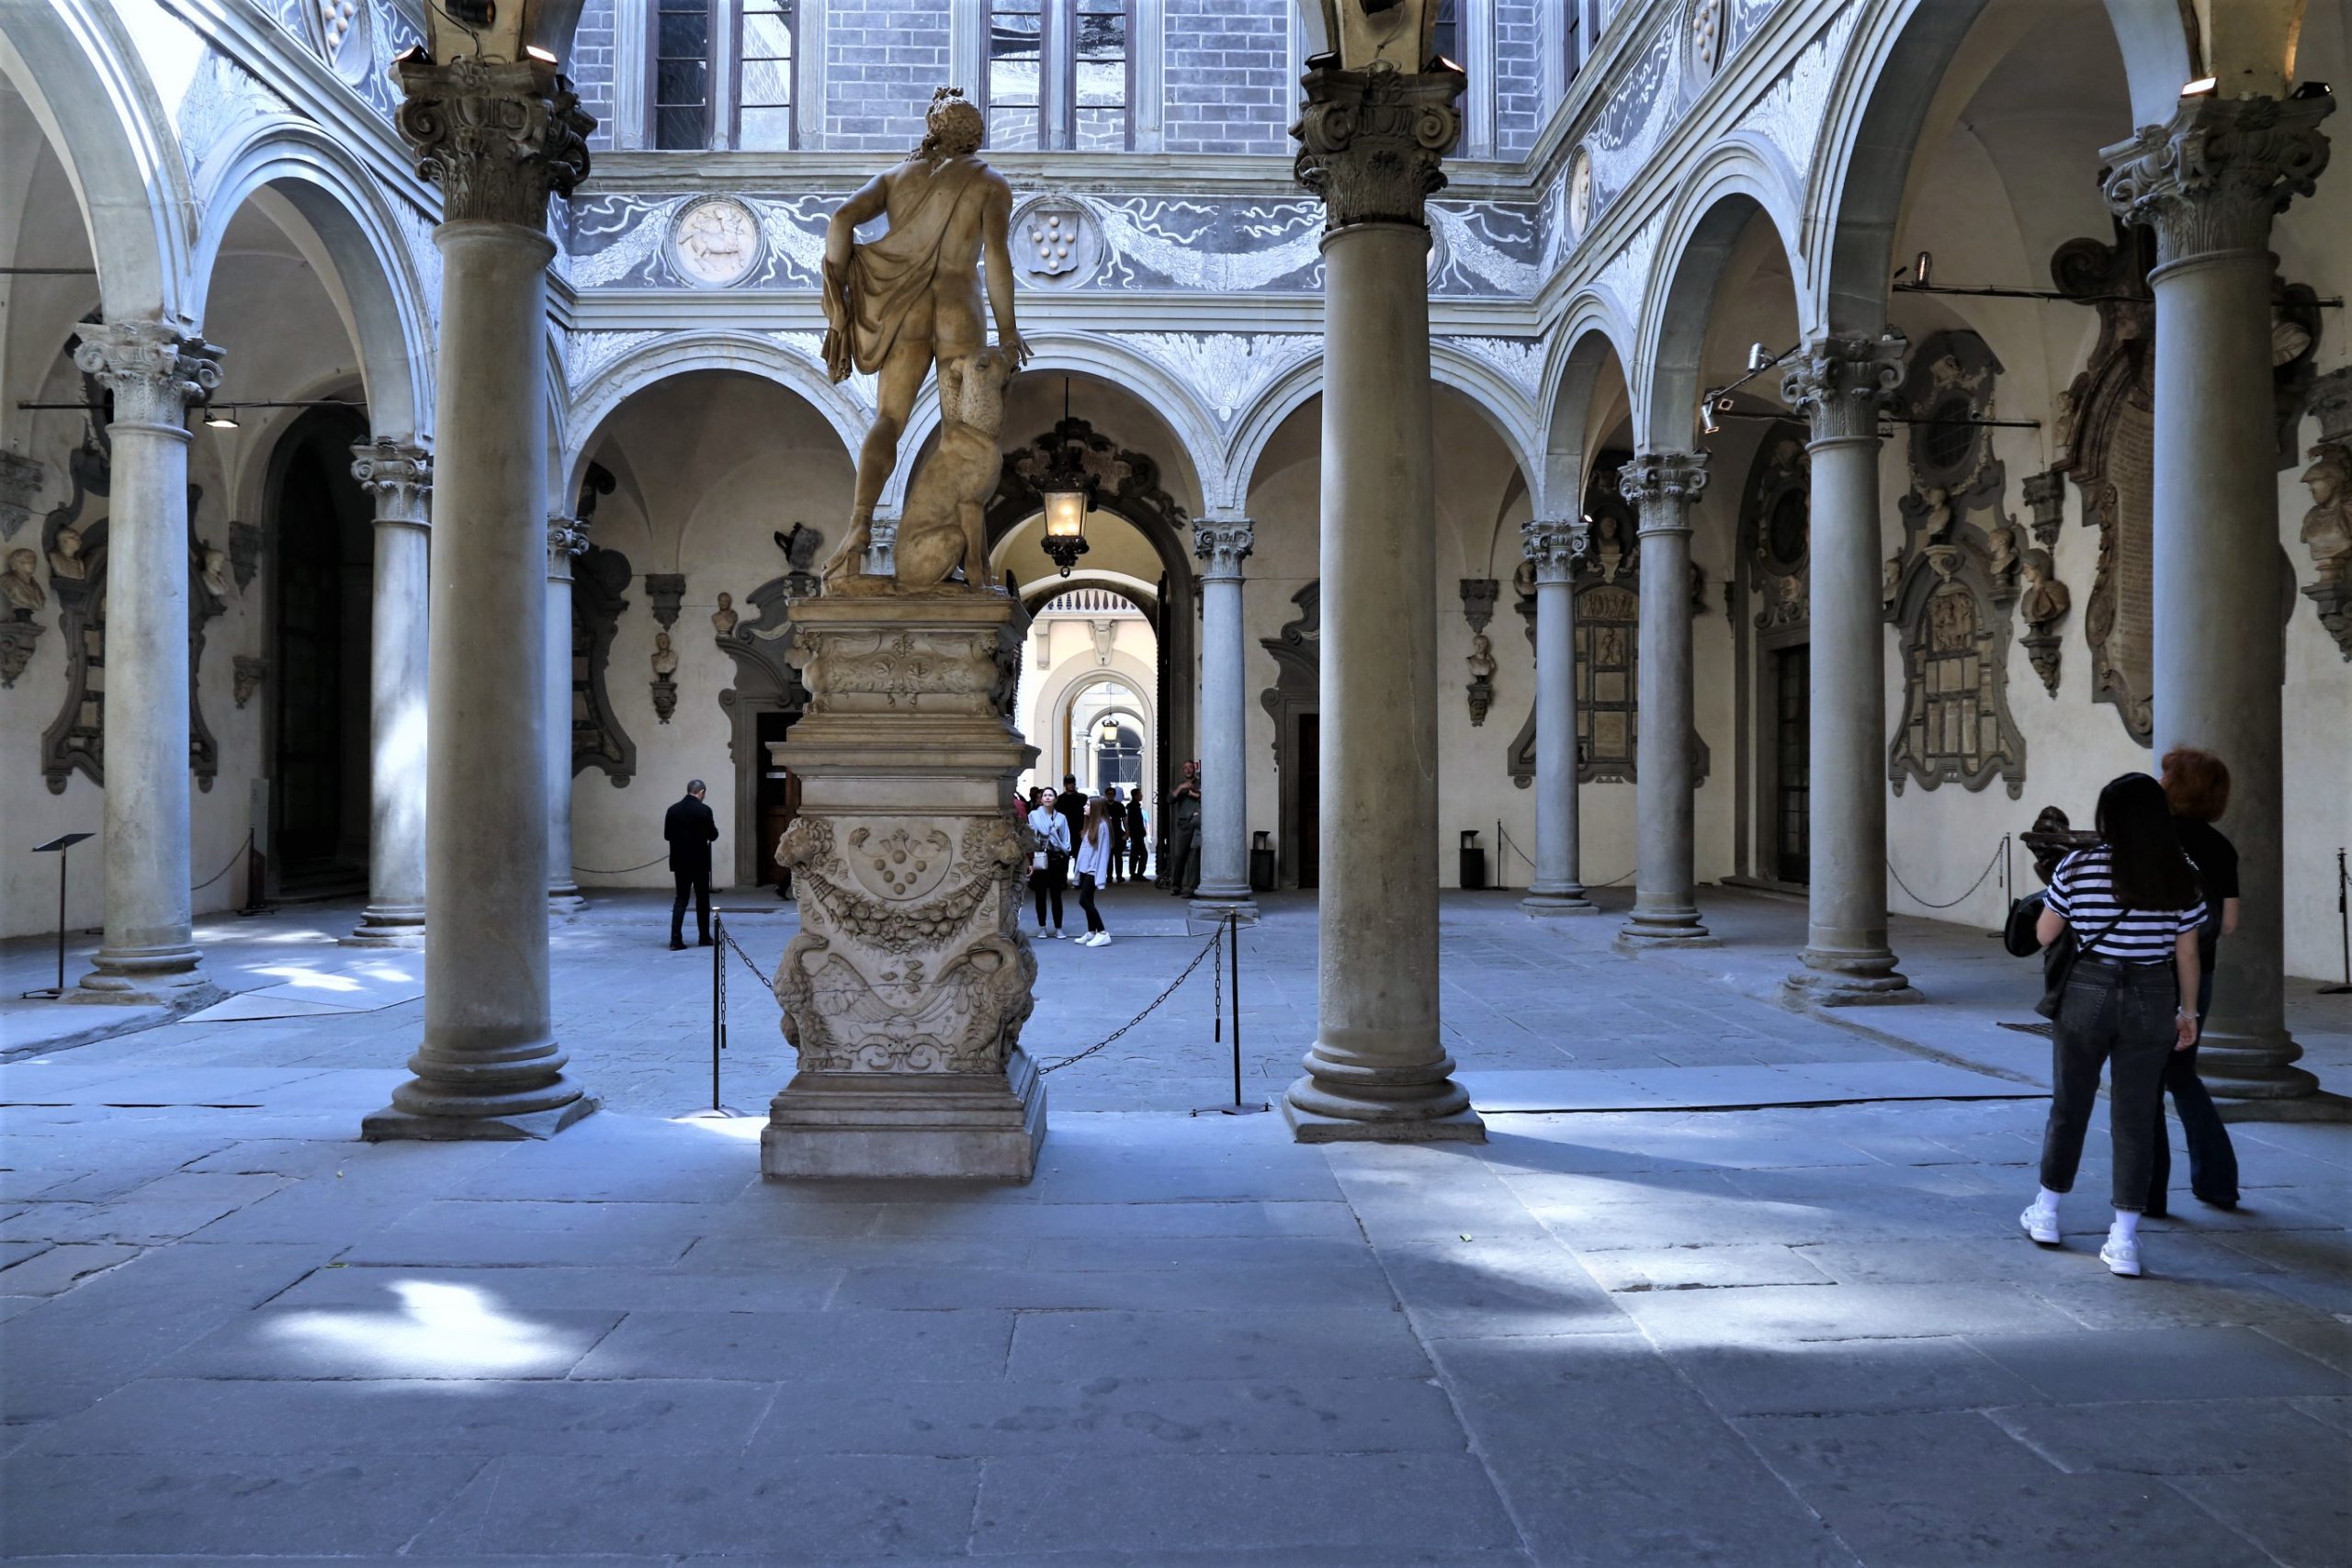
(898, 303)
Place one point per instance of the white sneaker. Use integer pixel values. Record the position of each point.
(2041, 1224)
(1101, 939)
(2122, 1256)
(1043, 935)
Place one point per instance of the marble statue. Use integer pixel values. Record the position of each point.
(2002, 552)
(724, 618)
(214, 568)
(666, 658)
(943, 524)
(65, 558)
(21, 588)
(1890, 579)
(896, 305)
(1482, 658)
(2045, 598)
(2327, 526)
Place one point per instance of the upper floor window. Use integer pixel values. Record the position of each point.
(1445, 40)
(1060, 73)
(723, 74)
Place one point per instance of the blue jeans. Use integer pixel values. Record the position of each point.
(2213, 1161)
(2122, 1014)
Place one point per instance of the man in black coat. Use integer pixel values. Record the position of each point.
(691, 829)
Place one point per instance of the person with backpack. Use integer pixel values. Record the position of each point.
(2125, 995)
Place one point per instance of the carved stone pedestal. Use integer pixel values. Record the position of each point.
(907, 987)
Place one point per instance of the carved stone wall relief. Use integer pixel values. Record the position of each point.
(2107, 445)
(766, 683)
(599, 578)
(1297, 653)
(1478, 595)
(2327, 526)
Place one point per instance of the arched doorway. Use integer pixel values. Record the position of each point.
(322, 551)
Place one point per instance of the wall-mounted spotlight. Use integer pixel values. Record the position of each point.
(2202, 88)
(221, 418)
(1923, 270)
(2313, 90)
(1759, 357)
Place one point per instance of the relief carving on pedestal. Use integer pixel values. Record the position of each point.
(2327, 527)
(1957, 579)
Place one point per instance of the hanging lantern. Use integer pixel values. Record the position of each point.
(1067, 490)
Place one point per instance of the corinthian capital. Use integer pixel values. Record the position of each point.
(499, 138)
(1662, 485)
(1223, 544)
(1370, 142)
(2212, 178)
(153, 370)
(566, 536)
(1842, 383)
(400, 477)
(1555, 545)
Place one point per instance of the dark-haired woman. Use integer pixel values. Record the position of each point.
(2196, 784)
(2135, 908)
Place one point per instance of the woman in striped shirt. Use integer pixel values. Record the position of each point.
(2134, 907)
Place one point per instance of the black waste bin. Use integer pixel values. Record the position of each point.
(1473, 860)
(1262, 862)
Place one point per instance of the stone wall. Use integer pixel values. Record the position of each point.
(1521, 39)
(1227, 76)
(592, 66)
(883, 58)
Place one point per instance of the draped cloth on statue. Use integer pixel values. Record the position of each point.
(866, 303)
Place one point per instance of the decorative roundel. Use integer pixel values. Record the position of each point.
(1581, 195)
(345, 36)
(1703, 38)
(1055, 241)
(715, 242)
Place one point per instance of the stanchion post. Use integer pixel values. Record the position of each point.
(1230, 934)
(2342, 923)
(718, 1003)
(63, 846)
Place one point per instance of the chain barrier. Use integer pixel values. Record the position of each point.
(726, 939)
(623, 871)
(1208, 947)
(226, 869)
(1512, 845)
(1930, 903)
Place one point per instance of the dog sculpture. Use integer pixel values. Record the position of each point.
(942, 526)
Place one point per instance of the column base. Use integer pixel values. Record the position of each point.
(2249, 1066)
(170, 977)
(1664, 928)
(1341, 1099)
(565, 901)
(1844, 978)
(393, 1124)
(390, 926)
(1544, 903)
(1308, 1125)
(1210, 909)
(2323, 1106)
(947, 1127)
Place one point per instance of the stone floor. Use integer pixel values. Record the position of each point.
(1760, 1299)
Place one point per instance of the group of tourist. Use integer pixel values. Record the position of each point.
(1100, 837)
(2130, 924)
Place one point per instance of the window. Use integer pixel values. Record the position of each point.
(1016, 74)
(763, 112)
(682, 74)
(1059, 75)
(1446, 41)
(726, 81)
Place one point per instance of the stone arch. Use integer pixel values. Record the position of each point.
(1701, 230)
(1058, 696)
(1506, 406)
(1591, 334)
(383, 300)
(600, 394)
(1284, 395)
(121, 159)
(1894, 65)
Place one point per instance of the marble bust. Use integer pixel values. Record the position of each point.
(2327, 526)
(20, 587)
(724, 618)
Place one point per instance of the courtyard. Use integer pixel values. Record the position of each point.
(1726, 1284)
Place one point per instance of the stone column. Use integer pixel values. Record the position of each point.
(1841, 385)
(1222, 544)
(1556, 548)
(400, 478)
(1662, 485)
(1370, 145)
(2209, 183)
(567, 537)
(149, 956)
(499, 138)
